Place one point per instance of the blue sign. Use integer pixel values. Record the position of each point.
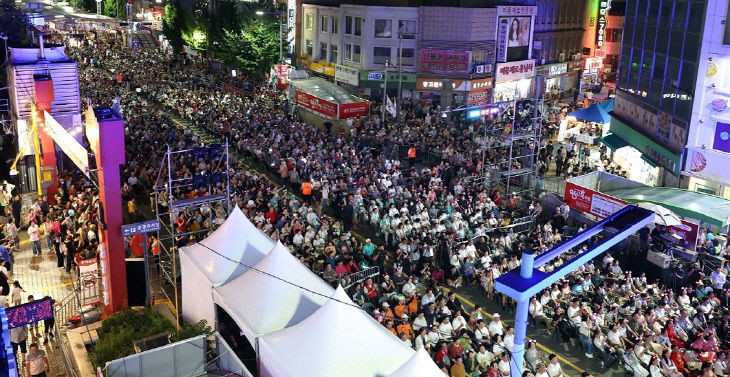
(31, 312)
(138, 228)
(374, 76)
(474, 114)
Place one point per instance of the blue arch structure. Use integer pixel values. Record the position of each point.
(526, 281)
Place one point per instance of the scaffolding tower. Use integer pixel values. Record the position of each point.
(514, 133)
(170, 205)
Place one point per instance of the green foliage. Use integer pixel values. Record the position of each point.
(13, 24)
(254, 48)
(173, 25)
(111, 8)
(119, 331)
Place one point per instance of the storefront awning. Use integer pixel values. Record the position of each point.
(614, 142)
(648, 161)
(594, 113)
(690, 204)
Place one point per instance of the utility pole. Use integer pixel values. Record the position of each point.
(385, 89)
(400, 76)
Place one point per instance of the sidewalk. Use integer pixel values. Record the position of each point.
(39, 276)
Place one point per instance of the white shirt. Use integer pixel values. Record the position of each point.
(445, 330)
(496, 328)
(480, 333)
(509, 341)
(718, 279)
(419, 322)
(504, 367)
(553, 369)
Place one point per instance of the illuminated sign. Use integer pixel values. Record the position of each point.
(72, 148)
(603, 7)
(593, 63)
(291, 21)
(515, 70)
(558, 69)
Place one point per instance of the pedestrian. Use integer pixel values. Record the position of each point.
(18, 338)
(33, 326)
(49, 323)
(37, 363)
(17, 293)
(34, 233)
(48, 233)
(16, 206)
(6, 254)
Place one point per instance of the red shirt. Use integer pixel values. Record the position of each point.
(371, 291)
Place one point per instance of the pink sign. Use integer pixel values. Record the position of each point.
(444, 61)
(317, 105)
(591, 202)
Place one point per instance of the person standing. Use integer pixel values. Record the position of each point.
(48, 233)
(18, 338)
(34, 233)
(16, 206)
(307, 191)
(36, 364)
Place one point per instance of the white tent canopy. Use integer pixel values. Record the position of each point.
(348, 343)
(260, 303)
(216, 260)
(420, 364)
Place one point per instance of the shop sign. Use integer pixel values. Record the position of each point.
(315, 104)
(603, 7)
(481, 84)
(502, 31)
(515, 70)
(593, 63)
(558, 69)
(375, 76)
(521, 10)
(353, 110)
(436, 84)
(347, 74)
(392, 77)
(659, 158)
(591, 202)
(707, 164)
(444, 61)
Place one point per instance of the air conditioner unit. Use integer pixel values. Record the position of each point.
(658, 259)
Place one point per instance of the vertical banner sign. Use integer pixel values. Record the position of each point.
(603, 7)
(88, 272)
(291, 23)
(514, 32)
(591, 202)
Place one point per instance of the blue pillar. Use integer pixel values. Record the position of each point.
(518, 350)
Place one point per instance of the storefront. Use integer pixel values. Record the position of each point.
(555, 77)
(480, 92)
(429, 89)
(641, 158)
(347, 78)
(513, 80)
(706, 171)
(591, 75)
(371, 84)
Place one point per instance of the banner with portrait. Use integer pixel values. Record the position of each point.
(513, 37)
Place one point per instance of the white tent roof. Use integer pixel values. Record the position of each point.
(237, 239)
(348, 343)
(202, 269)
(420, 364)
(260, 303)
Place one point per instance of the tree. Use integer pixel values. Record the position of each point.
(254, 48)
(13, 24)
(174, 24)
(111, 8)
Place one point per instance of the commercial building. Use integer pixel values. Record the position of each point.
(558, 43)
(603, 24)
(658, 71)
(707, 155)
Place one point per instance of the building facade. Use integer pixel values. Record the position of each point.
(559, 36)
(658, 71)
(707, 155)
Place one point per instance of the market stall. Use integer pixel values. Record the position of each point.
(587, 125)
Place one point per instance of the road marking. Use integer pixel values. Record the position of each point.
(549, 351)
(54, 286)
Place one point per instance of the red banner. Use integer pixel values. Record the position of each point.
(591, 202)
(444, 61)
(317, 105)
(688, 231)
(282, 74)
(352, 110)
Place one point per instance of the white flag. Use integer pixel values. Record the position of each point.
(390, 106)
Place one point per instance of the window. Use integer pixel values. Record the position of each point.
(348, 52)
(358, 26)
(323, 24)
(381, 55)
(383, 28)
(335, 27)
(333, 54)
(407, 29)
(407, 57)
(309, 21)
(323, 51)
(308, 47)
(348, 24)
(356, 53)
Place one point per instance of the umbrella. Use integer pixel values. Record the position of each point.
(663, 215)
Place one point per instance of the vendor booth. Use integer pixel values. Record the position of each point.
(318, 101)
(587, 125)
(214, 261)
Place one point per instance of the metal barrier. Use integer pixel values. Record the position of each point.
(556, 185)
(360, 276)
(67, 307)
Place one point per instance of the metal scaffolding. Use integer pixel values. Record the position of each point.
(171, 202)
(514, 133)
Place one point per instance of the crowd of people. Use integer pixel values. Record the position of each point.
(436, 228)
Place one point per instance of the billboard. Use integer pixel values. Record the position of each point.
(352, 110)
(515, 70)
(318, 105)
(603, 7)
(444, 61)
(514, 32)
(591, 202)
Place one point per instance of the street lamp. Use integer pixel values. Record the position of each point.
(278, 20)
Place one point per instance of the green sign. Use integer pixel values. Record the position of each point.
(408, 80)
(649, 148)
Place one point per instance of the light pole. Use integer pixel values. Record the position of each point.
(278, 20)
(385, 90)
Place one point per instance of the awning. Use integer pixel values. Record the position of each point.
(614, 142)
(594, 113)
(690, 204)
